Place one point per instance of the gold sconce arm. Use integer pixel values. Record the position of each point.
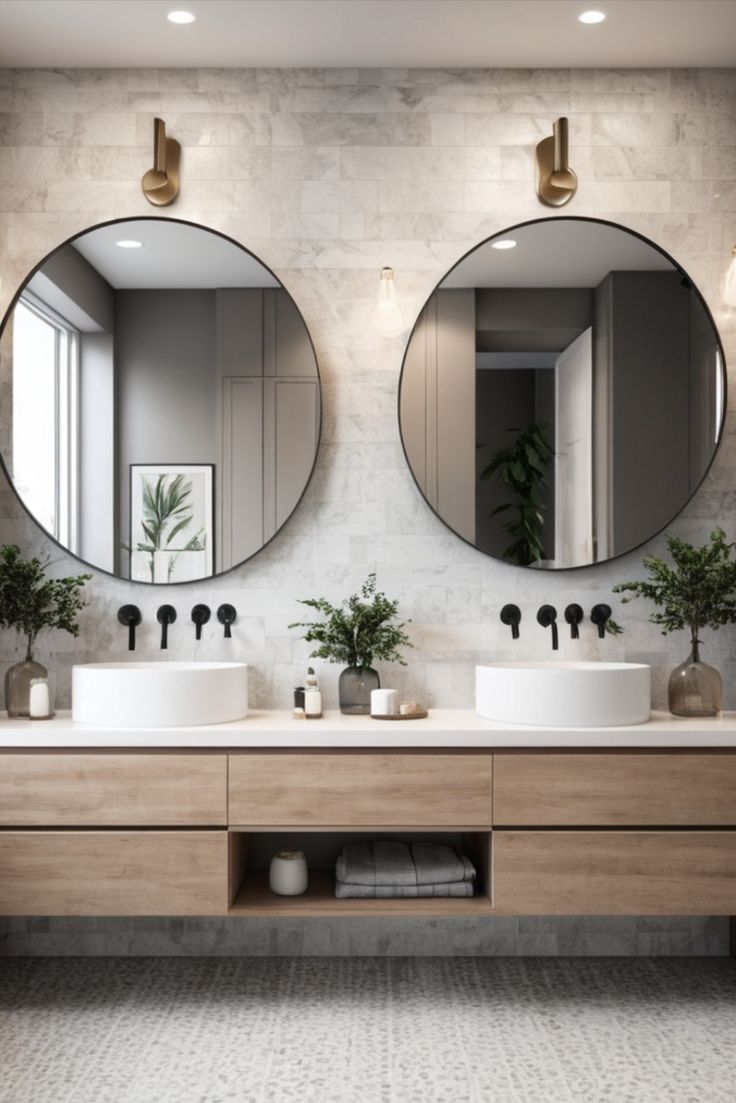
(161, 183)
(556, 182)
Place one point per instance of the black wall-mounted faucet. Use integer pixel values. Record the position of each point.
(165, 616)
(600, 615)
(573, 616)
(130, 616)
(200, 616)
(511, 616)
(227, 615)
(547, 617)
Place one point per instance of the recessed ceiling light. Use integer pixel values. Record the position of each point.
(180, 17)
(592, 17)
(128, 243)
(504, 243)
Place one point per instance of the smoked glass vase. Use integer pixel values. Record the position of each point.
(695, 689)
(355, 688)
(18, 686)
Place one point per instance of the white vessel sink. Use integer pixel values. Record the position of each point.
(564, 695)
(159, 695)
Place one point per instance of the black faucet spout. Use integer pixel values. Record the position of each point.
(547, 617)
(130, 617)
(165, 616)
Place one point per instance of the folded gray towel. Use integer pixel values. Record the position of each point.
(390, 864)
(383, 862)
(437, 863)
(345, 891)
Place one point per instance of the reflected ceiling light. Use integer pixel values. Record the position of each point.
(387, 316)
(128, 243)
(728, 283)
(504, 243)
(591, 17)
(180, 17)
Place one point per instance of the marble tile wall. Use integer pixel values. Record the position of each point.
(327, 175)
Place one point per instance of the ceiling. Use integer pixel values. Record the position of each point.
(558, 253)
(166, 259)
(367, 33)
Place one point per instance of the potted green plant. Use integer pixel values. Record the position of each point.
(29, 603)
(522, 468)
(696, 590)
(357, 632)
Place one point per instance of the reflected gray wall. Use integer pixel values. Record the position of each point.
(75, 289)
(166, 384)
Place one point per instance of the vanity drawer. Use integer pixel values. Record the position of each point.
(372, 790)
(614, 790)
(113, 872)
(113, 790)
(614, 872)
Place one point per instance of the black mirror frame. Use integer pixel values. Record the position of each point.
(504, 232)
(208, 229)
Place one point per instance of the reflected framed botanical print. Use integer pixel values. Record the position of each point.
(171, 522)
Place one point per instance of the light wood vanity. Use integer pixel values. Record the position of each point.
(638, 821)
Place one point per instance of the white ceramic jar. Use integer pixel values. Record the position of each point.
(287, 874)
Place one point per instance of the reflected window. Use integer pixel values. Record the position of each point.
(45, 389)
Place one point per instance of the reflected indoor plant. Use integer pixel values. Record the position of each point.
(522, 469)
(357, 632)
(29, 603)
(696, 590)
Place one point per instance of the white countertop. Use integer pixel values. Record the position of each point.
(449, 728)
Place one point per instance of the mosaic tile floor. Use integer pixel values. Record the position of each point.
(344, 1030)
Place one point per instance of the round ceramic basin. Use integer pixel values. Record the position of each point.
(159, 695)
(564, 695)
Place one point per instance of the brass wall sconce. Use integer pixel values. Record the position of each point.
(556, 182)
(161, 183)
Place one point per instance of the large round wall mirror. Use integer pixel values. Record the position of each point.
(562, 394)
(161, 400)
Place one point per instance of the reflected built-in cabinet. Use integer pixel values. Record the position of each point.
(268, 416)
(189, 833)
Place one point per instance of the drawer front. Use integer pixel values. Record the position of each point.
(113, 872)
(614, 790)
(113, 790)
(360, 790)
(614, 872)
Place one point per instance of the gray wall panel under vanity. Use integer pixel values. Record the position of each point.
(327, 175)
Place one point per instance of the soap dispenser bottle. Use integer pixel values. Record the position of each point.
(312, 696)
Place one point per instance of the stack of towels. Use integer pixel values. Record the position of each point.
(386, 869)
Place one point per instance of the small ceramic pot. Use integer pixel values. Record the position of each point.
(287, 874)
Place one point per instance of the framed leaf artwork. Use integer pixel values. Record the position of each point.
(171, 522)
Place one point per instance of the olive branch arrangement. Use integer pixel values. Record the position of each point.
(358, 631)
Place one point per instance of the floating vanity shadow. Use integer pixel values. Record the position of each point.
(188, 414)
(562, 394)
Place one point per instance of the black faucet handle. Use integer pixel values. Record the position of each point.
(130, 617)
(165, 616)
(227, 615)
(200, 615)
(511, 616)
(547, 617)
(600, 616)
(573, 615)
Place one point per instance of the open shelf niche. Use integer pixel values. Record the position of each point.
(251, 848)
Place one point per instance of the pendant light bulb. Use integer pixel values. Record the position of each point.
(387, 314)
(728, 283)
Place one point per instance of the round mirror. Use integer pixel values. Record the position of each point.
(562, 394)
(161, 400)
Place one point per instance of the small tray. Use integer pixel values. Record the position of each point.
(407, 716)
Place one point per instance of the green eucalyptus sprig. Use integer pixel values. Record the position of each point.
(31, 602)
(697, 590)
(358, 631)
